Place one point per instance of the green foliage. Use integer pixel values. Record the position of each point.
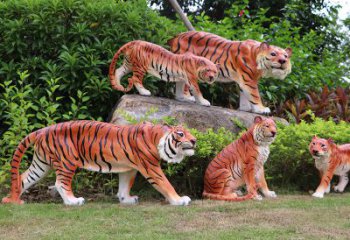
(290, 164)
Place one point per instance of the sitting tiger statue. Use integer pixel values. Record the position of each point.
(243, 62)
(242, 163)
(102, 147)
(142, 57)
(330, 160)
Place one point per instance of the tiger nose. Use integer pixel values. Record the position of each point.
(273, 133)
(211, 78)
(314, 152)
(282, 61)
(193, 141)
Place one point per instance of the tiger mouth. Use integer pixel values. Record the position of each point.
(279, 68)
(187, 148)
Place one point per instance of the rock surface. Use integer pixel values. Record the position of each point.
(190, 114)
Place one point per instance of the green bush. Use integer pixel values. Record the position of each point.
(290, 164)
(61, 51)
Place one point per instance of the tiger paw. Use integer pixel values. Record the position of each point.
(74, 201)
(258, 197)
(204, 102)
(318, 195)
(338, 189)
(129, 200)
(186, 99)
(182, 201)
(144, 92)
(261, 109)
(270, 194)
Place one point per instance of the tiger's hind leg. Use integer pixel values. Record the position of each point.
(137, 78)
(126, 180)
(64, 177)
(343, 181)
(183, 92)
(220, 182)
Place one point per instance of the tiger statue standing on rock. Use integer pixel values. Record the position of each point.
(102, 147)
(242, 163)
(244, 62)
(142, 57)
(330, 160)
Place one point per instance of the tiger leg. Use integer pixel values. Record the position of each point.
(325, 183)
(343, 181)
(249, 178)
(197, 93)
(64, 177)
(159, 181)
(219, 183)
(36, 171)
(252, 95)
(183, 92)
(263, 185)
(122, 71)
(126, 180)
(244, 104)
(137, 78)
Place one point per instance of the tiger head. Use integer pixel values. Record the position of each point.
(176, 143)
(320, 147)
(207, 71)
(265, 130)
(274, 61)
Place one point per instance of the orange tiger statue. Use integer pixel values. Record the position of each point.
(242, 163)
(102, 147)
(143, 57)
(330, 160)
(244, 62)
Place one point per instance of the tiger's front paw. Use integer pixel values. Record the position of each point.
(258, 197)
(204, 102)
(261, 110)
(338, 189)
(182, 201)
(318, 195)
(129, 200)
(270, 194)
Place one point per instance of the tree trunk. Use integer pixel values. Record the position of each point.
(183, 17)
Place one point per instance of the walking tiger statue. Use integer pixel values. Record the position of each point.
(142, 57)
(243, 62)
(102, 147)
(242, 163)
(330, 160)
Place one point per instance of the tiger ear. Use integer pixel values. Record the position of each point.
(330, 141)
(314, 137)
(258, 119)
(289, 51)
(264, 46)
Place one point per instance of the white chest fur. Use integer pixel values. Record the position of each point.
(321, 163)
(264, 152)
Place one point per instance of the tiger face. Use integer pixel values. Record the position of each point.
(265, 130)
(207, 71)
(274, 61)
(176, 144)
(320, 147)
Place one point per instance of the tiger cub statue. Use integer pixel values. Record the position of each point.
(142, 57)
(243, 62)
(330, 160)
(101, 147)
(242, 163)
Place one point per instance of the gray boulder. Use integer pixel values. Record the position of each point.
(190, 114)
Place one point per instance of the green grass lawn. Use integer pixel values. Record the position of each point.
(287, 217)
